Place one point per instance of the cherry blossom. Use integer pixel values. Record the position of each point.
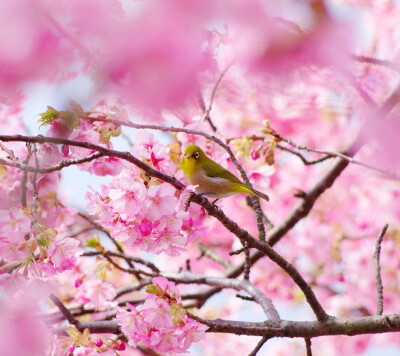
(14, 223)
(63, 254)
(96, 294)
(160, 322)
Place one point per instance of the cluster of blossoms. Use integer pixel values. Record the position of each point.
(84, 345)
(161, 322)
(137, 210)
(140, 213)
(36, 239)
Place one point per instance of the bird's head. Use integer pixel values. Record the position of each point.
(192, 159)
(194, 152)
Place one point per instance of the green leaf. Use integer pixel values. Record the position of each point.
(48, 116)
(153, 289)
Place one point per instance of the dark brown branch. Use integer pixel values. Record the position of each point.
(64, 311)
(265, 218)
(307, 341)
(379, 285)
(247, 264)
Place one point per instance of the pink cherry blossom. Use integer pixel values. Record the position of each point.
(38, 54)
(11, 251)
(154, 153)
(96, 294)
(14, 224)
(167, 287)
(21, 331)
(104, 166)
(160, 201)
(154, 321)
(63, 254)
(128, 197)
(156, 313)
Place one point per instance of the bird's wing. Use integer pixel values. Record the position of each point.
(214, 170)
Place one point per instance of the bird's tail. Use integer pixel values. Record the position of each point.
(243, 188)
(259, 194)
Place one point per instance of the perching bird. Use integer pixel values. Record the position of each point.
(212, 179)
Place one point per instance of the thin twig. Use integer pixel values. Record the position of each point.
(35, 196)
(56, 167)
(210, 253)
(148, 264)
(24, 181)
(207, 110)
(98, 226)
(247, 264)
(376, 61)
(308, 346)
(379, 285)
(10, 153)
(133, 271)
(265, 218)
(304, 160)
(259, 345)
(244, 297)
(239, 251)
(80, 232)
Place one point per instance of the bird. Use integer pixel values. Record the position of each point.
(212, 179)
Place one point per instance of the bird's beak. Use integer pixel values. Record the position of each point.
(185, 156)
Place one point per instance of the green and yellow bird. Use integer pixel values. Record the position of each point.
(212, 179)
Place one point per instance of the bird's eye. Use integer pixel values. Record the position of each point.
(196, 155)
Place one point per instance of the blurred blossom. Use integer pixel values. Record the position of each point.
(21, 331)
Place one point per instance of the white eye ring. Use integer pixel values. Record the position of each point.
(196, 155)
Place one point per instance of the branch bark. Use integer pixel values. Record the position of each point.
(377, 324)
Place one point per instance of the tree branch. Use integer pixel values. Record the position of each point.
(53, 168)
(379, 286)
(258, 347)
(307, 341)
(377, 324)
(210, 253)
(64, 311)
(376, 61)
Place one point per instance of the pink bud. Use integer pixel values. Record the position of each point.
(99, 342)
(65, 150)
(255, 154)
(145, 227)
(120, 345)
(71, 348)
